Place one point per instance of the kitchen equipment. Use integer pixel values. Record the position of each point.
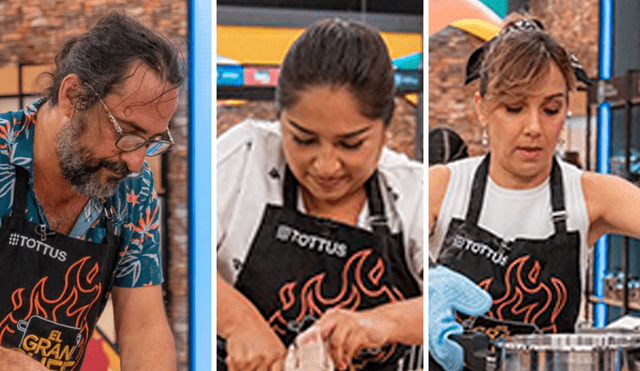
(596, 351)
(476, 341)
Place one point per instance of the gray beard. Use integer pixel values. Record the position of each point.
(79, 166)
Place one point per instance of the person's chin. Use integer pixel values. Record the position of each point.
(533, 169)
(331, 195)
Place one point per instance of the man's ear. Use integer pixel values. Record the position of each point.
(477, 103)
(70, 89)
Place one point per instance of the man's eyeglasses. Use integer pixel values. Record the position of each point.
(128, 142)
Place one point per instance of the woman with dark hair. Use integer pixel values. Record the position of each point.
(318, 223)
(519, 221)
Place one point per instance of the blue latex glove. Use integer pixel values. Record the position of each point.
(449, 292)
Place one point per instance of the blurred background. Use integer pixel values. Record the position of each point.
(32, 34)
(602, 131)
(253, 37)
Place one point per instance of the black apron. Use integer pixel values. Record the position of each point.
(299, 266)
(530, 280)
(54, 287)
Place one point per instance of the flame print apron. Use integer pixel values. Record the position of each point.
(299, 266)
(54, 287)
(530, 280)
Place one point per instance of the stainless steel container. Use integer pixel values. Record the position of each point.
(570, 352)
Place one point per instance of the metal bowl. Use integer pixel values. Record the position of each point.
(570, 352)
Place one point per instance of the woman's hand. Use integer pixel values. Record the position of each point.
(348, 332)
(253, 345)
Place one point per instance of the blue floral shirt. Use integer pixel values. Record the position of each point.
(135, 205)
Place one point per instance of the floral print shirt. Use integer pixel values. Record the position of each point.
(135, 205)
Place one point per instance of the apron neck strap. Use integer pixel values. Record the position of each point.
(375, 203)
(377, 217)
(558, 211)
(107, 215)
(290, 190)
(477, 191)
(20, 192)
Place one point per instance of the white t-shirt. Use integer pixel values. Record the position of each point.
(511, 213)
(250, 174)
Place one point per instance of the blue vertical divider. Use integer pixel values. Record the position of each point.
(603, 149)
(200, 223)
(601, 253)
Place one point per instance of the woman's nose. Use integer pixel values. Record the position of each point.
(533, 126)
(327, 162)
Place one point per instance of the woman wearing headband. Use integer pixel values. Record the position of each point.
(318, 223)
(518, 222)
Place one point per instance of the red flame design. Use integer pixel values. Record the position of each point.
(79, 294)
(311, 302)
(527, 299)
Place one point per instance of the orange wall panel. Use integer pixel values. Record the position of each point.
(268, 45)
(9, 78)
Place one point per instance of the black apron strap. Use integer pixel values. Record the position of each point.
(477, 191)
(558, 211)
(107, 215)
(377, 217)
(20, 192)
(290, 190)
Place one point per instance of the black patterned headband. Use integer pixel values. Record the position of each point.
(474, 63)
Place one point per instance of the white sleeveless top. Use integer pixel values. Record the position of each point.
(511, 213)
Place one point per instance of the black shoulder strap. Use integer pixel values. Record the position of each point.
(290, 190)
(107, 215)
(477, 191)
(558, 210)
(20, 192)
(377, 217)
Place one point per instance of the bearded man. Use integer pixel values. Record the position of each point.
(80, 213)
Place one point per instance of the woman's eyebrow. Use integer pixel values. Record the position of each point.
(300, 127)
(554, 96)
(356, 133)
(345, 136)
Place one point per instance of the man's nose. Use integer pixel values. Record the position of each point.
(135, 159)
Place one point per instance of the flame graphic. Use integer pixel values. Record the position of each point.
(71, 307)
(526, 299)
(356, 283)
